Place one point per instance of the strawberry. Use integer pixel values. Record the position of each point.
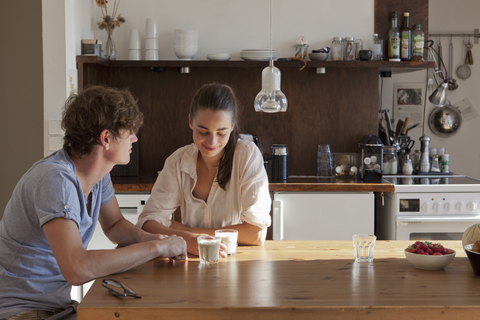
(411, 249)
(438, 248)
(429, 251)
(449, 251)
(420, 251)
(437, 254)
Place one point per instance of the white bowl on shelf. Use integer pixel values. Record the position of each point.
(219, 56)
(185, 52)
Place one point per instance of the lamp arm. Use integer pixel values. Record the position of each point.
(437, 70)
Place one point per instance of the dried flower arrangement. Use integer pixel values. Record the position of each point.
(109, 21)
(109, 24)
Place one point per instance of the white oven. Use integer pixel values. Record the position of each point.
(427, 208)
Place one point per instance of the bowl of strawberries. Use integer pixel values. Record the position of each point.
(429, 255)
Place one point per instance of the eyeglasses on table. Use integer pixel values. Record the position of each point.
(112, 285)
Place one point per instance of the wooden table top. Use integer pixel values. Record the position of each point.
(294, 280)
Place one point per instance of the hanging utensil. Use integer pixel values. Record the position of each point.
(464, 72)
(441, 65)
(452, 83)
(469, 52)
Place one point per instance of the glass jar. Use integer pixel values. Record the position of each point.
(349, 49)
(337, 49)
(377, 48)
(390, 160)
(300, 50)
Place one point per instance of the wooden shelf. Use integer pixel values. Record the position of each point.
(383, 66)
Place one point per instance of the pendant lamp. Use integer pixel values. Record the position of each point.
(271, 99)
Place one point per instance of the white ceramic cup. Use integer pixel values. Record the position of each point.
(134, 42)
(151, 28)
(185, 52)
(208, 249)
(151, 43)
(151, 54)
(134, 54)
(229, 238)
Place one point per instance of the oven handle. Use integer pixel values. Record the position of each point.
(452, 218)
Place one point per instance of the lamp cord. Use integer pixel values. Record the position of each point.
(271, 30)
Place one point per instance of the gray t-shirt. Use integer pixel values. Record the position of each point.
(30, 278)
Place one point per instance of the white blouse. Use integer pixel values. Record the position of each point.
(246, 198)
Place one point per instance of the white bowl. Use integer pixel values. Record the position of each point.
(429, 262)
(219, 56)
(151, 43)
(185, 42)
(185, 52)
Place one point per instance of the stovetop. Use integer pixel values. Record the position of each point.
(434, 183)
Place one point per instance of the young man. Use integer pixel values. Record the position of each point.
(54, 209)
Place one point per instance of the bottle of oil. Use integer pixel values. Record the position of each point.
(418, 43)
(406, 39)
(394, 40)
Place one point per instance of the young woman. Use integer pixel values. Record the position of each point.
(218, 182)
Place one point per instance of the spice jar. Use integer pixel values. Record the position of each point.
(390, 160)
(349, 49)
(337, 49)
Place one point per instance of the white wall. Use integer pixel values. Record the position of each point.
(230, 26)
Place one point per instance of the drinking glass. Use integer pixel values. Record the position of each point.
(208, 249)
(325, 162)
(229, 238)
(363, 247)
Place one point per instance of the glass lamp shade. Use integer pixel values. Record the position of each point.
(271, 99)
(439, 96)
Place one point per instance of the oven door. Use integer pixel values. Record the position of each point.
(437, 227)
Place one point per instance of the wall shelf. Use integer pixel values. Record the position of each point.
(394, 67)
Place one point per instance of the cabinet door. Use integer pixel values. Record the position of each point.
(324, 215)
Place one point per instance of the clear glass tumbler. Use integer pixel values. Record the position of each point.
(325, 162)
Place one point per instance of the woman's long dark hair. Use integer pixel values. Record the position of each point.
(219, 97)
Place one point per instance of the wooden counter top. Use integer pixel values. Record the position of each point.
(293, 280)
(145, 184)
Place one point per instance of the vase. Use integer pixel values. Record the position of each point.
(110, 51)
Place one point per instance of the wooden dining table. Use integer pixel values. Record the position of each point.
(293, 280)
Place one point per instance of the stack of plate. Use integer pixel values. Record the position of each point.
(256, 54)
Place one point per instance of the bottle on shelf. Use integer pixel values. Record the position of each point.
(377, 48)
(418, 43)
(394, 40)
(406, 39)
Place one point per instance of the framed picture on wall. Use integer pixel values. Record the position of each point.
(408, 101)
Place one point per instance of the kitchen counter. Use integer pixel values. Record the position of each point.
(145, 184)
(293, 280)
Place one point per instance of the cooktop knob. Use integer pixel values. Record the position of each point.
(426, 207)
(437, 207)
(459, 206)
(471, 206)
(448, 206)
